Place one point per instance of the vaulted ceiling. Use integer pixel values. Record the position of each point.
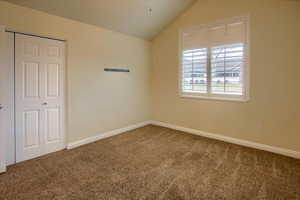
(141, 18)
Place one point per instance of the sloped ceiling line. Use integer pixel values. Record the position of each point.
(140, 18)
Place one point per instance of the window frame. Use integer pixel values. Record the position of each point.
(246, 67)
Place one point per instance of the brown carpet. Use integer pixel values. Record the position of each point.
(154, 163)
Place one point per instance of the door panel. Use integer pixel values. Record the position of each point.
(53, 51)
(39, 84)
(53, 80)
(31, 120)
(31, 79)
(52, 124)
(31, 49)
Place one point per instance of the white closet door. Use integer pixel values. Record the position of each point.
(39, 84)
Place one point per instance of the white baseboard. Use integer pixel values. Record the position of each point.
(2, 168)
(232, 140)
(241, 142)
(106, 135)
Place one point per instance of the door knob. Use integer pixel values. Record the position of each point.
(45, 103)
(1, 107)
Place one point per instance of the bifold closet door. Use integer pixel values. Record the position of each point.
(39, 96)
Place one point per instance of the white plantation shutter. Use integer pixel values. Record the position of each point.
(228, 33)
(226, 69)
(195, 38)
(214, 59)
(195, 70)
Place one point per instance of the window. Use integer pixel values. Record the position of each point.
(214, 60)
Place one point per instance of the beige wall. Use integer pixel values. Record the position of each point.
(97, 101)
(272, 116)
(100, 102)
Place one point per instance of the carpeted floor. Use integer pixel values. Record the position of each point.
(154, 163)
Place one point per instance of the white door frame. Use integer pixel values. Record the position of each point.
(10, 144)
(3, 123)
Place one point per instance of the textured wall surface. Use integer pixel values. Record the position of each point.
(272, 115)
(97, 101)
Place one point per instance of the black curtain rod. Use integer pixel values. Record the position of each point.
(9, 31)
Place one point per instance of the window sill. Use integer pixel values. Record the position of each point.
(215, 98)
